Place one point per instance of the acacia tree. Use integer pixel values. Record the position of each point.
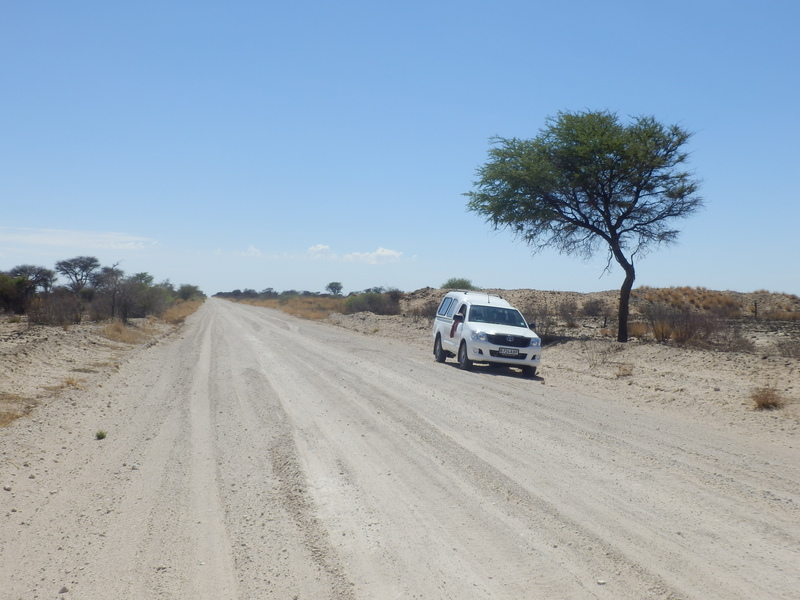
(334, 287)
(40, 277)
(586, 182)
(78, 270)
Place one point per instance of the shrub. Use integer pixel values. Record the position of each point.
(789, 348)
(61, 307)
(594, 308)
(767, 398)
(427, 310)
(680, 325)
(568, 310)
(380, 304)
(458, 283)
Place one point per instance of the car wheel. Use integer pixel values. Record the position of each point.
(529, 372)
(464, 363)
(438, 351)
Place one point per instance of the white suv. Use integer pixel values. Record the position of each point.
(484, 328)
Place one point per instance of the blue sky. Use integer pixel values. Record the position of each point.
(258, 144)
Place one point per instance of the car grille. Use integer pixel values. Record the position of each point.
(519, 356)
(510, 341)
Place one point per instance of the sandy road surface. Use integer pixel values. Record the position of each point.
(258, 456)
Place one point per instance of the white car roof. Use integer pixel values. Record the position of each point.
(479, 298)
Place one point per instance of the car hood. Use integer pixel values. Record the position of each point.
(494, 329)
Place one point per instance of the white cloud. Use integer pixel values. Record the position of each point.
(321, 251)
(65, 238)
(251, 251)
(379, 256)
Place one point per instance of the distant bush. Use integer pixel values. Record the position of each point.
(427, 310)
(61, 307)
(380, 304)
(594, 308)
(568, 311)
(458, 283)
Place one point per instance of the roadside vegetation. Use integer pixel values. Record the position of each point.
(310, 305)
(80, 289)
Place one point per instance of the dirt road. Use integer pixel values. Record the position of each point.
(256, 456)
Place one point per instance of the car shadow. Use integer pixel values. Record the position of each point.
(498, 371)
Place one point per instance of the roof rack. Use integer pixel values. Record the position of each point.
(487, 294)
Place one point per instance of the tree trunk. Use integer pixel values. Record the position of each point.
(624, 294)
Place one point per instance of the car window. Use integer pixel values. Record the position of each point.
(444, 306)
(477, 314)
(497, 316)
(452, 309)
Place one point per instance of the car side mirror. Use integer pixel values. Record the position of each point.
(531, 326)
(459, 318)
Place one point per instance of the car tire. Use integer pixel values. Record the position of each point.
(529, 372)
(438, 352)
(464, 363)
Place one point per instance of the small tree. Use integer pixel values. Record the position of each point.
(589, 181)
(188, 291)
(458, 283)
(334, 287)
(41, 277)
(78, 270)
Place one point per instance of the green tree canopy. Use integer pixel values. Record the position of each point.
(589, 181)
(334, 287)
(78, 270)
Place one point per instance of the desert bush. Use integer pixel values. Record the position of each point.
(594, 308)
(458, 283)
(680, 325)
(767, 398)
(638, 330)
(568, 311)
(15, 292)
(380, 304)
(61, 307)
(597, 353)
(543, 319)
(789, 348)
(730, 339)
(305, 307)
(426, 310)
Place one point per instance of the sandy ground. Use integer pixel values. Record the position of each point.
(253, 455)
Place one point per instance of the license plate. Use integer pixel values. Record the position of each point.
(509, 351)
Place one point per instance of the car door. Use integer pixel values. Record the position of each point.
(452, 338)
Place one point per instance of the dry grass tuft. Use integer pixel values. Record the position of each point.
(12, 407)
(178, 312)
(624, 370)
(767, 398)
(305, 307)
(72, 382)
(638, 330)
(117, 331)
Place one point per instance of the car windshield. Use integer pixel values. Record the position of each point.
(496, 315)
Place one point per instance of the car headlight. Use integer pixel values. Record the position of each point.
(478, 336)
(536, 342)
